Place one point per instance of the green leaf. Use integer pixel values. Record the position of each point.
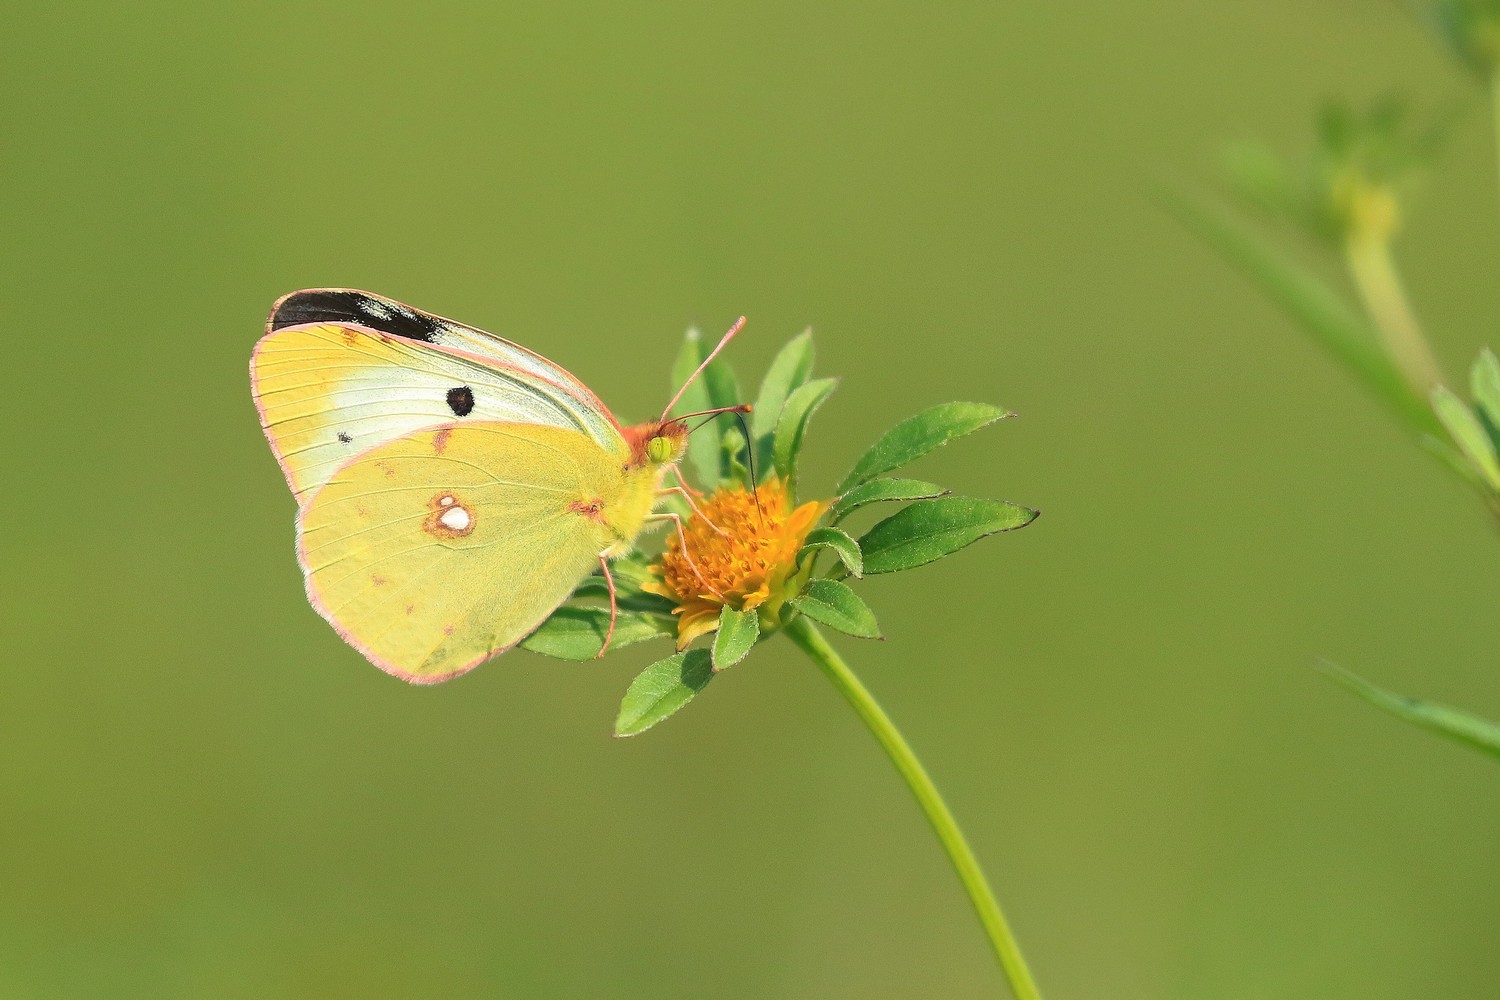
(879, 490)
(577, 633)
(791, 367)
(792, 424)
(1308, 300)
(1468, 433)
(1260, 178)
(931, 529)
(629, 574)
(916, 436)
(703, 449)
(1442, 449)
(1484, 384)
(836, 606)
(723, 385)
(738, 631)
(663, 688)
(724, 391)
(1469, 28)
(1454, 723)
(843, 546)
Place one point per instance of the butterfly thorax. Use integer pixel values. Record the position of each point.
(654, 447)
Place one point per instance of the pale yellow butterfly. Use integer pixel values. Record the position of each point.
(452, 487)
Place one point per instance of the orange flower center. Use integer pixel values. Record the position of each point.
(739, 553)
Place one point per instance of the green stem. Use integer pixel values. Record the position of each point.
(1384, 297)
(1495, 109)
(807, 637)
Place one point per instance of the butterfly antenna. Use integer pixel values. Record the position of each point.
(737, 408)
(723, 341)
(739, 415)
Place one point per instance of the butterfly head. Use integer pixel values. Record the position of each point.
(659, 443)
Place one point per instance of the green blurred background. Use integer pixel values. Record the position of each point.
(206, 794)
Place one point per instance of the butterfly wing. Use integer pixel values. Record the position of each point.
(327, 393)
(329, 387)
(437, 550)
(352, 307)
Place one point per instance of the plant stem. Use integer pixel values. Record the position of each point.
(807, 637)
(1495, 110)
(1384, 297)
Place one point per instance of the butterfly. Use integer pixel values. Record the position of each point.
(452, 487)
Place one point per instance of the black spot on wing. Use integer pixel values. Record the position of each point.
(341, 306)
(461, 400)
(344, 438)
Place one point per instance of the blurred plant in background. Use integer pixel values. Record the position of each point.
(752, 560)
(1348, 198)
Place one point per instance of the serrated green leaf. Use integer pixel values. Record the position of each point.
(916, 436)
(1468, 433)
(738, 631)
(836, 606)
(881, 490)
(791, 367)
(1484, 385)
(931, 529)
(843, 546)
(1307, 300)
(703, 455)
(792, 424)
(663, 688)
(577, 633)
(1481, 734)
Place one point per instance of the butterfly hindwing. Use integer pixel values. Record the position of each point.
(436, 550)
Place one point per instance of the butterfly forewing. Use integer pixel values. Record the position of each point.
(328, 392)
(352, 307)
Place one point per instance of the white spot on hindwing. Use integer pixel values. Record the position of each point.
(448, 517)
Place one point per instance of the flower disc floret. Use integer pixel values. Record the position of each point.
(741, 553)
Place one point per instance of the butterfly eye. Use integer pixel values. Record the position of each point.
(659, 449)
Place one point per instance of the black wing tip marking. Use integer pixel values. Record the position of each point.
(343, 305)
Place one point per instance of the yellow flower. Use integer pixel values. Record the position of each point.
(739, 554)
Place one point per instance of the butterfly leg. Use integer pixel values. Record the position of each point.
(682, 481)
(685, 492)
(688, 492)
(683, 547)
(614, 606)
